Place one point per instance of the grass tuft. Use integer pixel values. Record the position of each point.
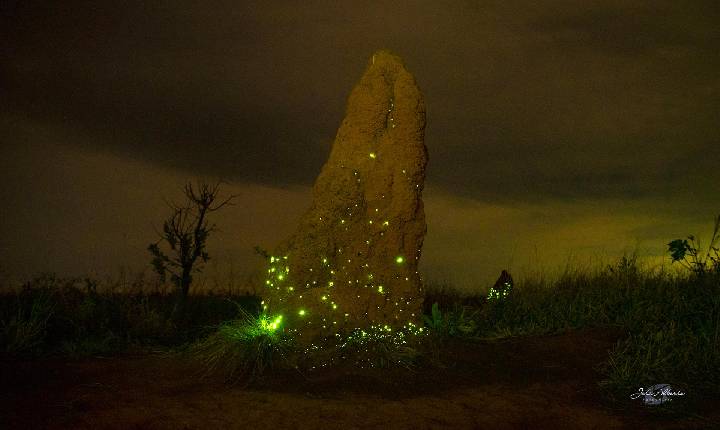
(243, 348)
(25, 332)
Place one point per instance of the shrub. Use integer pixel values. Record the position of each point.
(25, 332)
(243, 348)
(689, 254)
(458, 321)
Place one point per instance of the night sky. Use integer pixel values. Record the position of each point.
(556, 129)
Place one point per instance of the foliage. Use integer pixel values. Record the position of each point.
(689, 254)
(243, 348)
(462, 322)
(73, 317)
(25, 332)
(435, 320)
(459, 321)
(148, 324)
(674, 335)
(186, 232)
(576, 299)
(672, 320)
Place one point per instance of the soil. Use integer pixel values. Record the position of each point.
(533, 383)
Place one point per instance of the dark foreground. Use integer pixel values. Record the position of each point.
(533, 383)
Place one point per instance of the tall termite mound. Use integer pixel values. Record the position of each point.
(352, 262)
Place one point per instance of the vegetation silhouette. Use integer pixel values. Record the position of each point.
(186, 232)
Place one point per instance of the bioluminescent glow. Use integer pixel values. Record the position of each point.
(325, 272)
(496, 294)
(270, 325)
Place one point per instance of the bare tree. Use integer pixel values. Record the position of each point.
(185, 232)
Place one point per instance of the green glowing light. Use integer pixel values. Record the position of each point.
(380, 289)
(281, 277)
(301, 312)
(270, 325)
(372, 155)
(331, 283)
(323, 297)
(399, 259)
(499, 293)
(386, 223)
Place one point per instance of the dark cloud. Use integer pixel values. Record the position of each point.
(530, 101)
(555, 127)
(633, 28)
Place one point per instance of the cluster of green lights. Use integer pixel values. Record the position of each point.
(383, 333)
(359, 344)
(277, 271)
(247, 329)
(279, 280)
(496, 294)
(363, 344)
(299, 294)
(270, 324)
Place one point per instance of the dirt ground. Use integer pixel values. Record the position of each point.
(533, 383)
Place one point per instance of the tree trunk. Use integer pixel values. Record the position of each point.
(179, 309)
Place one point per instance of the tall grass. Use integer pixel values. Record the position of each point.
(243, 348)
(24, 332)
(73, 316)
(674, 337)
(672, 320)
